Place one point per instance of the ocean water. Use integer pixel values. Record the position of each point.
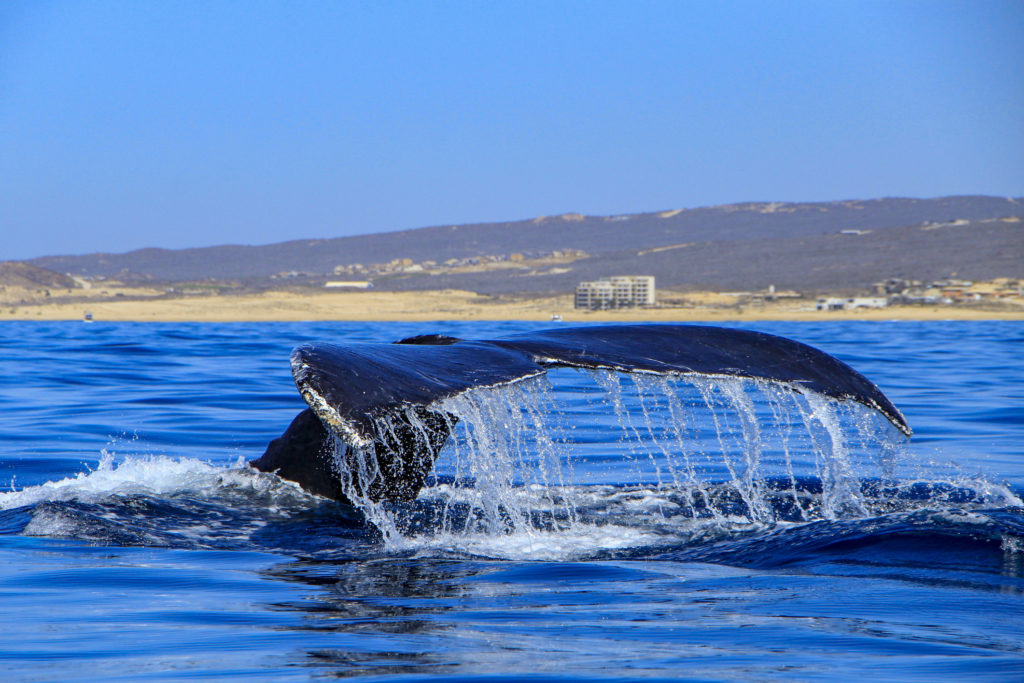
(586, 526)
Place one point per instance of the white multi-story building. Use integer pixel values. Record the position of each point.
(621, 291)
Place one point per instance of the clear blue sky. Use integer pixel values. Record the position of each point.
(177, 124)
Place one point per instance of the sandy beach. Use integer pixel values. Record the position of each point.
(142, 306)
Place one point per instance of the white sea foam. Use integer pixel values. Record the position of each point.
(709, 455)
(155, 475)
(530, 544)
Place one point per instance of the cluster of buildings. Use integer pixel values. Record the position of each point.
(948, 291)
(627, 291)
(620, 291)
(398, 265)
(631, 291)
(407, 265)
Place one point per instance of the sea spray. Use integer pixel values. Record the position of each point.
(132, 476)
(712, 460)
(702, 450)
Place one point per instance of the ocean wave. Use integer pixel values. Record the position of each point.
(188, 503)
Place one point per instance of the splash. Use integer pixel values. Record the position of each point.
(161, 476)
(694, 457)
(161, 501)
(606, 465)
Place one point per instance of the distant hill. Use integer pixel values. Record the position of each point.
(20, 274)
(738, 246)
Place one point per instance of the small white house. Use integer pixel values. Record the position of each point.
(868, 302)
(831, 304)
(837, 304)
(348, 284)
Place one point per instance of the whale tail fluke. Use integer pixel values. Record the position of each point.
(381, 397)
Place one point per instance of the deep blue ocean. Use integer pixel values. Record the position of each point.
(587, 526)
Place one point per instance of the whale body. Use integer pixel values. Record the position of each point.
(383, 396)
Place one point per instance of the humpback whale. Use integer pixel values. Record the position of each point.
(383, 397)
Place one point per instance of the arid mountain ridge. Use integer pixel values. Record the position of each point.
(805, 246)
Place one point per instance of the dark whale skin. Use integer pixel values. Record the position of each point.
(351, 388)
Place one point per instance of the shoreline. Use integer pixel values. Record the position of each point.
(280, 306)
